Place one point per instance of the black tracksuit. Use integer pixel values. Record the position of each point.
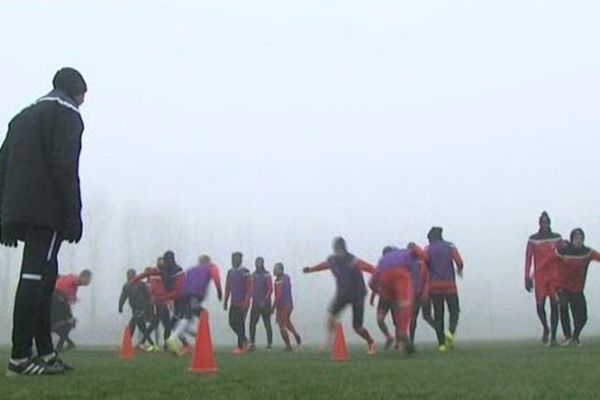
(138, 296)
(39, 200)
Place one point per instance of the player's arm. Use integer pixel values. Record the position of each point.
(146, 274)
(418, 252)
(278, 294)
(364, 266)
(317, 268)
(248, 285)
(458, 261)
(529, 266)
(425, 281)
(177, 289)
(595, 256)
(215, 275)
(227, 290)
(269, 290)
(123, 298)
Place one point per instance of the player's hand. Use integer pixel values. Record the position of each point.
(528, 284)
(306, 270)
(220, 296)
(225, 306)
(7, 237)
(120, 311)
(74, 229)
(460, 273)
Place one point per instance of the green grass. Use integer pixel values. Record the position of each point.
(474, 371)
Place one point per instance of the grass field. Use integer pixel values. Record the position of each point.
(474, 371)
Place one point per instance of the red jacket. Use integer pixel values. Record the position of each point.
(67, 287)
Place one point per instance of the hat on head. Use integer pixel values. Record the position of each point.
(70, 81)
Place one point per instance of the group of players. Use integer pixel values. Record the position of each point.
(408, 281)
(557, 270)
(405, 280)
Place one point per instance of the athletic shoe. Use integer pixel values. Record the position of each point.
(269, 348)
(545, 337)
(567, 342)
(238, 352)
(450, 340)
(443, 349)
(288, 349)
(185, 350)
(372, 349)
(575, 342)
(174, 346)
(33, 366)
(553, 343)
(388, 343)
(251, 347)
(58, 362)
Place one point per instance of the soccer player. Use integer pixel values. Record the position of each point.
(138, 296)
(66, 294)
(444, 263)
(384, 307)
(262, 290)
(193, 295)
(283, 306)
(575, 259)
(238, 288)
(40, 205)
(541, 273)
(172, 279)
(351, 289)
(421, 302)
(393, 282)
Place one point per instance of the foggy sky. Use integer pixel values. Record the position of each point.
(270, 127)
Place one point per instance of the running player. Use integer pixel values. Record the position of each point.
(66, 294)
(384, 307)
(442, 258)
(351, 289)
(139, 301)
(238, 287)
(541, 273)
(193, 295)
(575, 259)
(262, 290)
(159, 310)
(393, 283)
(283, 306)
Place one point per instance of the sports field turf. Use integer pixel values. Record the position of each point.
(515, 370)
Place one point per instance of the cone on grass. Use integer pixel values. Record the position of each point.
(203, 359)
(127, 345)
(340, 351)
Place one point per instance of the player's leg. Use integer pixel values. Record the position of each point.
(383, 308)
(454, 313)
(282, 321)
(254, 317)
(438, 315)
(565, 318)
(290, 327)
(337, 306)
(427, 313)
(580, 315)
(541, 293)
(266, 317)
(415, 315)
(554, 315)
(358, 315)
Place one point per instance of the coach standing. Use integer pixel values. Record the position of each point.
(40, 204)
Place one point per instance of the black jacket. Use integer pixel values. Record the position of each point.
(137, 294)
(39, 164)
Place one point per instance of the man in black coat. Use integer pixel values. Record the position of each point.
(40, 205)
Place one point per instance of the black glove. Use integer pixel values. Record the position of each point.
(73, 229)
(7, 236)
(528, 284)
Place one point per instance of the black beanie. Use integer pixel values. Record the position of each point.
(70, 81)
(341, 243)
(545, 216)
(435, 233)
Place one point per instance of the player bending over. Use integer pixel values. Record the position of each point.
(442, 258)
(541, 274)
(138, 296)
(65, 295)
(575, 259)
(262, 290)
(238, 287)
(393, 282)
(193, 295)
(283, 306)
(350, 290)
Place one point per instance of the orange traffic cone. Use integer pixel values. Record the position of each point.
(203, 361)
(127, 345)
(340, 351)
